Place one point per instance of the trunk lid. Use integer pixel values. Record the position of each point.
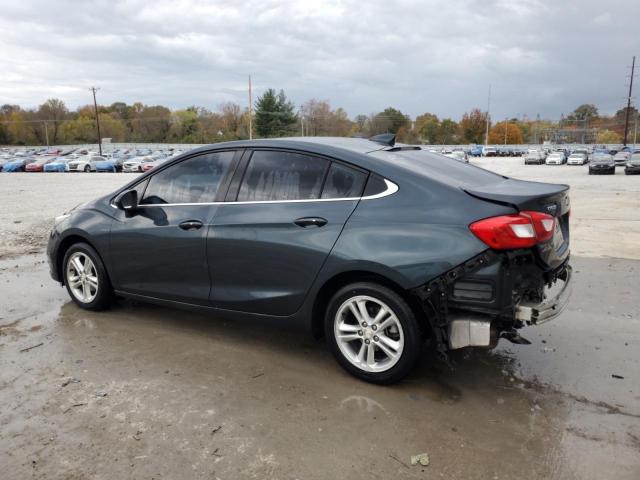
(541, 197)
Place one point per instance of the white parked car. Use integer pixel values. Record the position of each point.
(489, 152)
(577, 159)
(85, 164)
(555, 158)
(459, 155)
(135, 164)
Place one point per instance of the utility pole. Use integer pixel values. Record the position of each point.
(635, 131)
(95, 107)
(486, 133)
(46, 131)
(506, 128)
(250, 111)
(626, 117)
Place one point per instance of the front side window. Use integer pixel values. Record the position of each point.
(273, 176)
(195, 180)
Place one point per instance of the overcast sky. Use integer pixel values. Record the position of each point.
(540, 56)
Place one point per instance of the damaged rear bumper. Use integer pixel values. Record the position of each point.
(491, 297)
(478, 331)
(550, 308)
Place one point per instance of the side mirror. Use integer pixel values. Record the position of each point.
(129, 201)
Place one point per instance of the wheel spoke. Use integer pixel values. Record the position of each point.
(85, 292)
(346, 327)
(371, 355)
(362, 307)
(382, 313)
(350, 337)
(77, 264)
(88, 266)
(361, 352)
(393, 344)
(387, 351)
(356, 313)
(387, 323)
(93, 281)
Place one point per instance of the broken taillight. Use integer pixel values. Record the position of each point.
(522, 230)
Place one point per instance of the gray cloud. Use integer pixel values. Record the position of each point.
(541, 56)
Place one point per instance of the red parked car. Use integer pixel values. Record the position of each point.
(53, 152)
(38, 165)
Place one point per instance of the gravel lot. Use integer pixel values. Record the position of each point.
(145, 392)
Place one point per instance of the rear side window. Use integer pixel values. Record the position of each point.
(195, 180)
(273, 175)
(343, 182)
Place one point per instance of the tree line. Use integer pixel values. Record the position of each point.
(274, 115)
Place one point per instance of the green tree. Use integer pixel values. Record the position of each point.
(448, 132)
(395, 119)
(426, 126)
(274, 114)
(584, 112)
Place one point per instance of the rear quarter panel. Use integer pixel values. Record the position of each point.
(411, 236)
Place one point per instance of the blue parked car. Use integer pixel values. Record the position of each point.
(111, 164)
(16, 165)
(58, 165)
(106, 165)
(476, 151)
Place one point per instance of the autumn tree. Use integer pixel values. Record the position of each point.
(608, 136)
(473, 125)
(512, 131)
(321, 120)
(54, 111)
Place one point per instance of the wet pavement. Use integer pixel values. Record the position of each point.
(142, 391)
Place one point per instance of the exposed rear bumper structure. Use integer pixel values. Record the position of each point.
(537, 313)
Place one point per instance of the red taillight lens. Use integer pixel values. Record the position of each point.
(544, 224)
(523, 230)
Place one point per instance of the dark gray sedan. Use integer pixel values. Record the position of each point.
(382, 248)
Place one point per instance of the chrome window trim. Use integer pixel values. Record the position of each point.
(391, 189)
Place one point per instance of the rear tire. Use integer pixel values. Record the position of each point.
(372, 332)
(87, 169)
(86, 278)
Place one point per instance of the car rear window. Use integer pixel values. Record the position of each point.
(195, 180)
(274, 175)
(343, 182)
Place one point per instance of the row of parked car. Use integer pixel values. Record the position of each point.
(83, 160)
(599, 160)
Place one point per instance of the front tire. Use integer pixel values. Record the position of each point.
(372, 332)
(86, 278)
(87, 169)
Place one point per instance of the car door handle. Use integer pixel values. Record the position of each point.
(311, 222)
(191, 225)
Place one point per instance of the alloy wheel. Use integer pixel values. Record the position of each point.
(82, 277)
(368, 333)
